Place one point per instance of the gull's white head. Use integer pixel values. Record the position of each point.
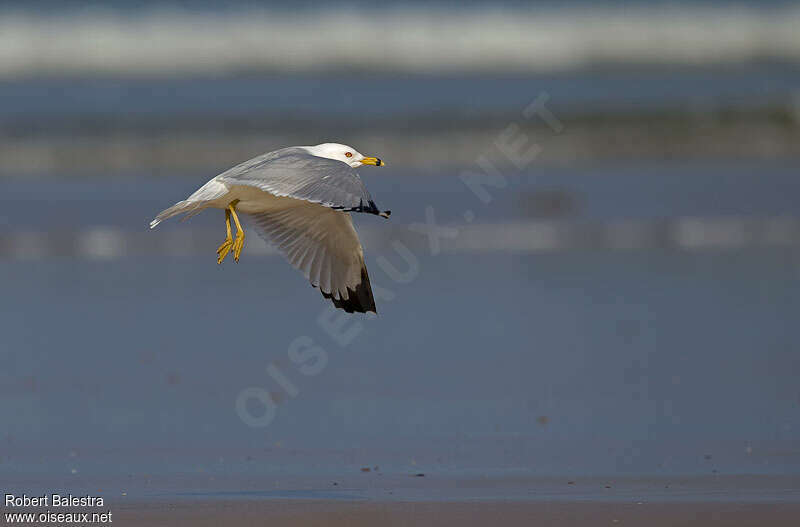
(343, 153)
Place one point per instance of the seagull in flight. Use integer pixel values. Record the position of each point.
(299, 199)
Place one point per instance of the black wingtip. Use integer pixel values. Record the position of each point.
(359, 300)
(370, 208)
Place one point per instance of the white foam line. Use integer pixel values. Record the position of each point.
(412, 40)
(678, 233)
(102, 243)
(533, 236)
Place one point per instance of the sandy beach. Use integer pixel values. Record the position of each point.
(376, 498)
(328, 513)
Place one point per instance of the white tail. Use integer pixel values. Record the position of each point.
(178, 208)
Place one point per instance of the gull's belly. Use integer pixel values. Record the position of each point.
(253, 200)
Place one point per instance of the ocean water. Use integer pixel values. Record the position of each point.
(49, 106)
(125, 369)
(643, 190)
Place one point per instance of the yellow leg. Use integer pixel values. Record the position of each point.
(225, 248)
(238, 243)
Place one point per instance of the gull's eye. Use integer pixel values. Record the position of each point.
(348, 154)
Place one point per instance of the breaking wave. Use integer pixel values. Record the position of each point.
(413, 40)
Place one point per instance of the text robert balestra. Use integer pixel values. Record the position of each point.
(53, 500)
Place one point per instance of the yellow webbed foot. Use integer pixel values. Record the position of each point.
(238, 245)
(224, 249)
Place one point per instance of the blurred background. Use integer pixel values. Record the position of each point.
(624, 303)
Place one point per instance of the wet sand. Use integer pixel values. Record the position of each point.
(480, 513)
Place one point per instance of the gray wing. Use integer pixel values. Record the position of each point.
(295, 173)
(323, 245)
